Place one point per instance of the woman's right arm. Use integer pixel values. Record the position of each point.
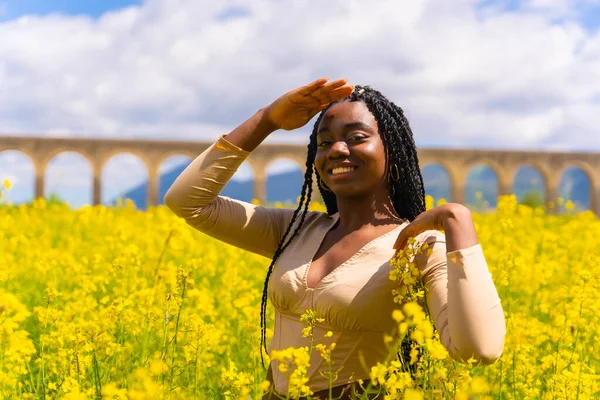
(194, 195)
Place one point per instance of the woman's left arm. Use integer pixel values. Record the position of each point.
(462, 298)
(457, 223)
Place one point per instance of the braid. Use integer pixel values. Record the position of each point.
(408, 194)
(304, 201)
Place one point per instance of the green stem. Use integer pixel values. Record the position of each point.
(175, 337)
(97, 381)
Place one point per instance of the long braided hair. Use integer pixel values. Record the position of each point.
(407, 192)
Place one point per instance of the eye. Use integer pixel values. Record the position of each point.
(359, 136)
(323, 143)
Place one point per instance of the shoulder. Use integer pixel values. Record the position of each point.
(314, 220)
(435, 256)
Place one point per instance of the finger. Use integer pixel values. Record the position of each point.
(410, 230)
(401, 241)
(337, 94)
(398, 242)
(400, 245)
(311, 87)
(329, 87)
(333, 85)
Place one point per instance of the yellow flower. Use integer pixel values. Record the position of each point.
(112, 392)
(265, 386)
(569, 205)
(397, 315)
(412, 394)
(378, 374)
(158, 367)
(7, 184)
(164, 309)
(479, 385)
(306, 332)
(412, 309)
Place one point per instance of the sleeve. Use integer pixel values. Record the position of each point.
(194, 196)
(462, 300)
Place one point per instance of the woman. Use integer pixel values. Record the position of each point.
(337, 263)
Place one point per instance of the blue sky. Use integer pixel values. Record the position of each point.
(591, 17)
(11, 9)
(586, 13)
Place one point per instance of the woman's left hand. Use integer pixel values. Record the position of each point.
(438, 218)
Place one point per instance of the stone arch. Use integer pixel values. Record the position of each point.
(15, 166)
(165, 156)
(578, 188)
(592, 175)
(283, 186)
(494, 166)
(437, 180)
(47, 157)
(530, 184)
(546, 173)
(301, 161)
(76, 190)
(447, 166)
(241, 184)
(255, 166)
(21, 149)
(482, 186)
(135, 185)
(105, 157)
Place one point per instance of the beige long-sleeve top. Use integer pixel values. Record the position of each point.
(355, 299)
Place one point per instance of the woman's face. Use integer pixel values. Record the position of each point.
(350, 155)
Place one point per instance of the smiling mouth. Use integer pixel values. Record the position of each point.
(341, 171)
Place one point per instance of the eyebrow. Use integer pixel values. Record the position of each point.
(349, 126)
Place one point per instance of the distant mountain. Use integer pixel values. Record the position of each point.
(287, 186)
(280, 187)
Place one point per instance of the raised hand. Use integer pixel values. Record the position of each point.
(295, 108)
(430, 219)
(454, 219)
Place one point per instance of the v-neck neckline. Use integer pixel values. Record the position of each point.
(335, 218)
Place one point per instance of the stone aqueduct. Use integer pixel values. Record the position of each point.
(457, 162)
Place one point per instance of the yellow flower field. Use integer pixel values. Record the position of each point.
(116, 303)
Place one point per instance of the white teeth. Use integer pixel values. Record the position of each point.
(341, 170)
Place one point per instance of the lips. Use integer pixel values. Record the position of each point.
(341, 171)
(344, 165)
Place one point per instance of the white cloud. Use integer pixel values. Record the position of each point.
(465, 75)
(171, 68)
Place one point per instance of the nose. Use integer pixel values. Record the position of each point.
(339, 148)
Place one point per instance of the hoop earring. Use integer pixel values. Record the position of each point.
(397, 177)
(323, 186)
